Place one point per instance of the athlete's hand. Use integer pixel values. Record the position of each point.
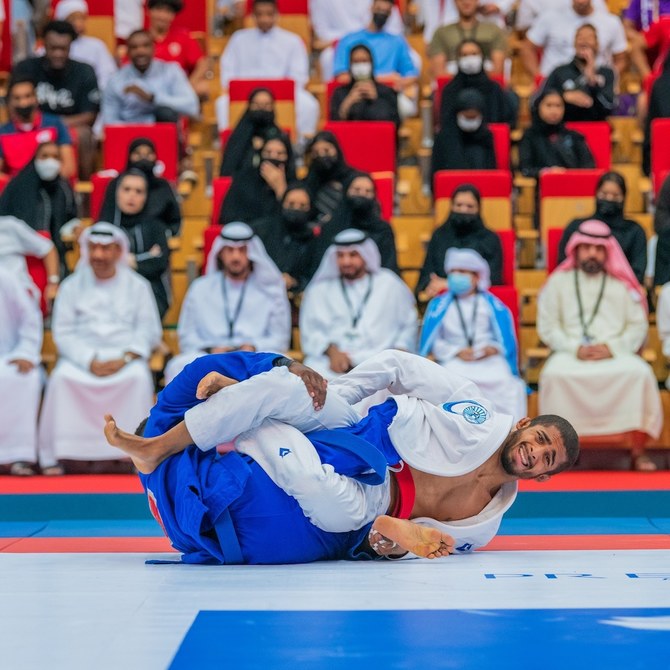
(315, 384)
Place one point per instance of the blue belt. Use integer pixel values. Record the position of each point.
(230, 546)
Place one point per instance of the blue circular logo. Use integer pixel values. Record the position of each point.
(475, 414)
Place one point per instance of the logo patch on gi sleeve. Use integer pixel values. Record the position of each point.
(470, 410)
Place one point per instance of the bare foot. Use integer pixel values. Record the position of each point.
(410, 536)
(211, 383)
(643, 463)
(138, 448)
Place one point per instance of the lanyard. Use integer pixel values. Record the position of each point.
(355, 316)
(470, 337)
(231, 321)
(586, 325)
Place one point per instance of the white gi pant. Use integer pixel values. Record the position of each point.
(255, 414)
(20, 395)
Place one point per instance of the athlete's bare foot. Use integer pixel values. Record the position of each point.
(409, 536)
(212, 383)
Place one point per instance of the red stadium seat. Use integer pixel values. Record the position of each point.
(220, 187)
(118, 137)
(495, 187)
(660, 154)
(510, 297)
(208, 238)
(100, 182)
(553, 240)
(367, 145)
(6, 51)
(508, 244)
(283, 90)
(385, 185)
(501, 144)
(193, 17)
(330, 89)
(597, 136)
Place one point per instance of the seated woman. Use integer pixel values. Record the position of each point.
(463, 229)
(255, 126)
(149, 252)
(289, 237)
(662, 213)
(161, 205)
(610, 196)
(364, 98)
(327, 174)
(360, 210)
(464, 141)
(548, 143)
(258, 188)
(500, 106)
(39, 196)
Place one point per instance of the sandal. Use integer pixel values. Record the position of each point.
(643, 463)
(53, 471)
(21, 469)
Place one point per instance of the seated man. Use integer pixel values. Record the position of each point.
(592, 314)
(471, 333)
(353, 308)
(226, 510)
(239, 304)
(20, 376)
(105, 326)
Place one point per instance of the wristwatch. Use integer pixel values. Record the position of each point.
(53, 279)
(282, 361)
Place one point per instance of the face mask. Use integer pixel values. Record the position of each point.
(295, 218)
(324, 165)
(468, 125)
(24, 113)
(359, 204)
(459, 283)
(274, 161)
(608, 208)
(380, 19)
(470, 64)
(261, 117)
(144, 165)
(462, 221)
(47, 168)
(361, 71)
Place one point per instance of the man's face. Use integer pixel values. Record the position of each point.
(103, 259)
(591, 258)
(467, 8)
(350, 264)
(78, 21)
(265, 14)
(235, 261)
(57, 49)
(141, 51)
(586, 43)
(382, 7)
(48, 150)
(532, 452)
(582, 7)
(22, 96)
(161, 18)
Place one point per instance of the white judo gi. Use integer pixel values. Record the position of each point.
(20, 338)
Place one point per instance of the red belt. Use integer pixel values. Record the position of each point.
(406, 493)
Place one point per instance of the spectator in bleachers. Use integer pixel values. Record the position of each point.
(592, 314)
(105, 325)
(175, 44)
(161, 204)
(360, 211)
(610, 198)
(547, 143)
(67, 88)
(443, 49)
(463, 229)
(393, 63)
(254, 127)
(588, 90)
(645, 32)
(240, 303)
(20, 375)
(148, 254)
(331, 21)
(662, 229)
(148, 90)
(85, 48)
(39, 196)
(472, 333)
(500, 106)
(464, 141)
(258, 188)
(528, 11)
(554, 31)
(289, 238)
(128, 17)
(659, 108)
(28, 127)
(268, 52)
(663, 323)
(353, 308)
(364, 98)
(662, 206)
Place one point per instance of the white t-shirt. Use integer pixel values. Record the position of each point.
(555, 33)
(530, 10)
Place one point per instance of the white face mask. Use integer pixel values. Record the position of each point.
(468, 125)
(47, 168)
(471, 64)
(361, 71)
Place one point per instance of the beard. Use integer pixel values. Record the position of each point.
(591, 266)
(506, 457)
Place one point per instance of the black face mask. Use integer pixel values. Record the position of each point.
(609, 209)
(360, 205)
(261, 117)
(275, 161)
(24, 113)
(380, 19)
(463, 221)
(324, 165)
(144, 165)
(295, 218)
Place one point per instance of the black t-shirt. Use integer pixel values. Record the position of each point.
(72, 90)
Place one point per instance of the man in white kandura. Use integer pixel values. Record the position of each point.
(240, 304)
(353, 308)
(20, 375)
(592, 314)
(105, 325)
(471, 333)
